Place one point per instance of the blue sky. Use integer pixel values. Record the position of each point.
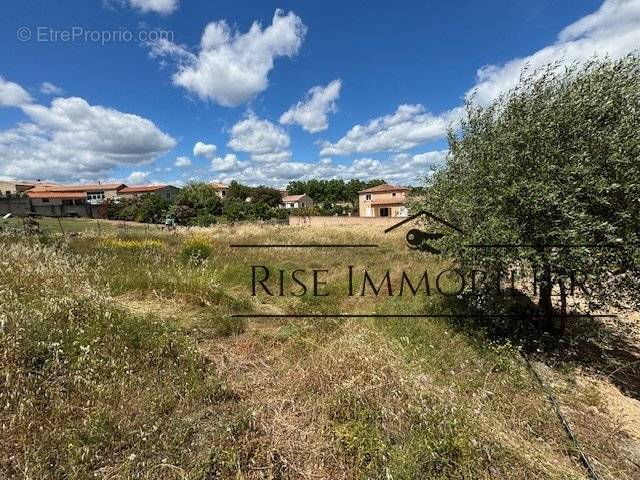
(269, 91)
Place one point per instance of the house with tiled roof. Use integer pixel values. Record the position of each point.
(384, 200)
(297, 201)
(221, 189)
(93, 193)
(168, 192)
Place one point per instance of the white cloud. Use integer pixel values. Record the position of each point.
(232, 67)
(401, 169)
(182, 161)
(163, 7)
(12, 94)
(311, 113)
(265, 141)
(201, 149)
(408, 127)
(225, 164)
(137, 178)
(431, 159)
(50, 89)
(72, 139)
(613, 30)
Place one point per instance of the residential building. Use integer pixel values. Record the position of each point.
(95, 194)
(297, 201)
(58, 204)
(221, 189)
(15, 188)
(384, 200)
(168, 192)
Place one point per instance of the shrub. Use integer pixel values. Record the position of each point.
(197, 204)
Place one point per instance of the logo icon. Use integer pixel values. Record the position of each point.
(417, 239)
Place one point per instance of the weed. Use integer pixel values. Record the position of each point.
(196, 249)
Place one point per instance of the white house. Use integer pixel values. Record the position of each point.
(297, 201)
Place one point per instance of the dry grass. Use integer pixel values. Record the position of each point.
(171, 387)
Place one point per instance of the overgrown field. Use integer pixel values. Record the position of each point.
(119, 358)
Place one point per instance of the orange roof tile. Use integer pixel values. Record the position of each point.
(52, 187)
(292, 198)
(142, 189)
(385, 187)
(64, 195)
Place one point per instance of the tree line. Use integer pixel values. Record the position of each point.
(197, 203)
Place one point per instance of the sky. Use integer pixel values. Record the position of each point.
(262, 92)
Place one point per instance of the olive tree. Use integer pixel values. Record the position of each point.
(548, 176)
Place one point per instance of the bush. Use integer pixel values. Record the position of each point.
(196, 249)
(197, 204)
(149, 208)
(203, 220)
(235, 210)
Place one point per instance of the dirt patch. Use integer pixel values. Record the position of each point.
(605, 421)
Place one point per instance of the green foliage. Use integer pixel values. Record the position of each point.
(151, 208)
(197, 204)
(238, 192)
(236, 211)
(266, 195)
(196, 249)
(148, 208)
(553, 161)
(330, 192)
(437, 446)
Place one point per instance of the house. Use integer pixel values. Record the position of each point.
(94, 193)
(297, 201)
(58, 204)
(384, 200)
(168, 192)
(14, 188)
(221, 189)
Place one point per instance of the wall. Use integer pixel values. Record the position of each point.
(25, 206)
(322, 221)
(14, 205)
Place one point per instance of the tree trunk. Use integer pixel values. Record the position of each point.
(563, 306)
(544, 299)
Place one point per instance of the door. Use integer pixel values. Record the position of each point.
(384, 211)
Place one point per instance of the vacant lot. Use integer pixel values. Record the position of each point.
(120, 357)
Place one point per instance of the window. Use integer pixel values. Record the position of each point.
(79, 202)
(95, 196)
(8, 192)
(45, 200)
(393, 194)
(67, 202)
(302, 204)
(384, 212)
(367, 197)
